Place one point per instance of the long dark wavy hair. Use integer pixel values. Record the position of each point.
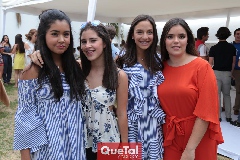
(8, 40)
(20, 44)
(153, 61)
(110, 76)
(72, 70)
(190, 49)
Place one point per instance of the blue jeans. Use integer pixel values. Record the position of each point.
(7, 70)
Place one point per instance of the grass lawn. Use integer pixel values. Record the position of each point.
(7, 127)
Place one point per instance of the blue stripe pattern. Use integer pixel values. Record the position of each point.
(51, 129)
(145, 116)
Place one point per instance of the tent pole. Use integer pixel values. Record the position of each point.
(1, 19)
(91, 10)
(228, 19)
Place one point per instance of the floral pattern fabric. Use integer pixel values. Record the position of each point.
(100, 120)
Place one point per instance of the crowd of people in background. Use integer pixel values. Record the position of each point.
(165, 95)
(16, 57)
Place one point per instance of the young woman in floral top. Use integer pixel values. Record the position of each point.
(105, 86)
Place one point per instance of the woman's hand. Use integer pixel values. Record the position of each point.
(36, 58)
(188, 155)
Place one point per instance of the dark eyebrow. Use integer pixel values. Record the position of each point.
(57, 31)
(54, 31)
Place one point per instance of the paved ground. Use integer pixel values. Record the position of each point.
(233, 95)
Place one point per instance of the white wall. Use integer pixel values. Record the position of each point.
(29, 22)
(213, 24)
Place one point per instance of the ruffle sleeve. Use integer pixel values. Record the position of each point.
(136, 97)
(134, 92)
(29, 128)
(207, 104)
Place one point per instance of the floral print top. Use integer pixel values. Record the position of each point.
(101, 122)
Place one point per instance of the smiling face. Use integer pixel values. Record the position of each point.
(176, 41)
(92, 45)
(143, 35)
(237, 36)
(58, 37)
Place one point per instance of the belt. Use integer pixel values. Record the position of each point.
(173, 127)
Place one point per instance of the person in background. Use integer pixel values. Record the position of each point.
(29, 45)
(7, 59)
(188, 96)
(112, 33)
(75, 54)
(144, 69)
(19, 53)
(222, 57)
(1, 61)
(237, 122)
(122, 45)
(48, 121)
(236, 71)
(78, 53)
(202, 37)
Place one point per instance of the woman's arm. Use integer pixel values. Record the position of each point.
(26, 46)
(14, 50)
(122, 100)
(199, 129)
(25, 154)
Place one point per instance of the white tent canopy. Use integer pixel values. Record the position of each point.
(123, 11)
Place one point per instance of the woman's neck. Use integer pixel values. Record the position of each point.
(32, 42)
(97, 65)
(176, 61)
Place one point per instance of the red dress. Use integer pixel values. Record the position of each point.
(189, 91)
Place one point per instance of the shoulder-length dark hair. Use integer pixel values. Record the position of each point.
(153, 61)
(110, 76)
(71, 68)
(20, 44)
(190, 49)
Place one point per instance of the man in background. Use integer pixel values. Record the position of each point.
(202, 37)
(236, 71)
(112, 33)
